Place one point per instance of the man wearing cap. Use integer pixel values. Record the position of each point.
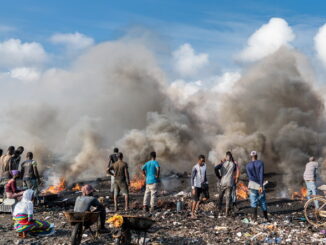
(309, 177)
(87, 201)
(255, 172)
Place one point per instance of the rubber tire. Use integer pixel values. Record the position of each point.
(76, 235)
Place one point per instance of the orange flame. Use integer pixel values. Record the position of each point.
(242, 191)
(137, 183)
(55, 189)
(77, 187)
(302, 194)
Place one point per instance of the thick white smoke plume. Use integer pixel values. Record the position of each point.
(71, 117)
(117, 95)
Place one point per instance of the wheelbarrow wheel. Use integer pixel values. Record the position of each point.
(315, 211)
(77, 233)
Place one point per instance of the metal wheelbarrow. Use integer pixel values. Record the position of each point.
(122, 230)
(81, 222)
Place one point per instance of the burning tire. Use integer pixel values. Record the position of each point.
(77, 233)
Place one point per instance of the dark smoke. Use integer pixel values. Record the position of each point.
(275, 110)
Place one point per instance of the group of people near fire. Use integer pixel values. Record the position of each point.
(12, 168)
(227, 172)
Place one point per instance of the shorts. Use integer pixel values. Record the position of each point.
(198, 192)
(120, 187)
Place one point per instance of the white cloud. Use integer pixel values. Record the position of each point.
(320, 41)
(188, 63)
(73, 41)
(225, 82)
(14, 53)
(267, 39)
(181, 91)
(25, 74)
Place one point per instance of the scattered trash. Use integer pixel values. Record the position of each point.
(141, 240)
(254, 237)
(300, 219)
(274, 240)
(271, 227)
(246, 221)
(180, 206)
(181, 193)
(287, 226)
(176, 223)
(219, 228)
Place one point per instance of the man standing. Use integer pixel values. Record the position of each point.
(86, 201)
(6, 163)
(234, 187)
(199, 184)
(30, 173)
(113, 159)
(151, 170)
(255, 172)
(14, 161)
(121, 181)
(309, 177)
(18, 152)
(225, 171)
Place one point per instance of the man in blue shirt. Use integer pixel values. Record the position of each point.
(151, 170)
(255, 172)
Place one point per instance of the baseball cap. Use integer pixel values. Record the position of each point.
(253, 153)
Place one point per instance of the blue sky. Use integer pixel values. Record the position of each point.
(104, 20)
(218, 28)
(52, 53)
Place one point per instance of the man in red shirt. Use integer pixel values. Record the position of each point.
(11, 188)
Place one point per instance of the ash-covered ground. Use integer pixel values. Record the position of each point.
(287, 225)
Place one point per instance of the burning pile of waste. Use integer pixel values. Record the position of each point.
(60, 186)
(57, 188)
(302, 194)
(242, 191)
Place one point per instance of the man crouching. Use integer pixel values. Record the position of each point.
(86, 201)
